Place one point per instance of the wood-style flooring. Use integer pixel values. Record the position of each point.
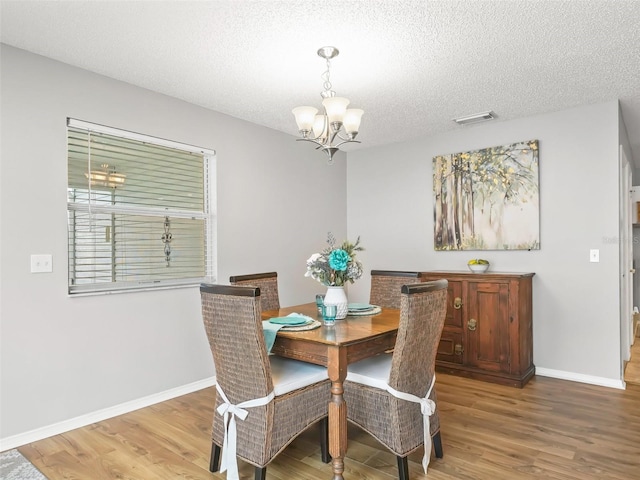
(550, 429)
(632, 369)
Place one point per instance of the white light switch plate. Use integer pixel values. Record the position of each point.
(41, 264)
(594, 255)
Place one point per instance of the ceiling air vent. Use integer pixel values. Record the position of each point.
(475, 118)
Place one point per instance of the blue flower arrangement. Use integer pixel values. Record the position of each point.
(335, 266)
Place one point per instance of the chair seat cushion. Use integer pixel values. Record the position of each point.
(288, 375)
(373, 371)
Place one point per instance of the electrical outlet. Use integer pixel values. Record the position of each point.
(594, 255)
(41, 264)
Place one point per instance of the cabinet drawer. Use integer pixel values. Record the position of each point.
(455, 302)
(450, 348)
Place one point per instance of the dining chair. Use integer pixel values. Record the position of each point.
(262, 401)
(390, 395)
(386, 288)
(268, 284)
(386, 285)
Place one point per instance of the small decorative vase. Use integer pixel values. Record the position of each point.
(337, 296)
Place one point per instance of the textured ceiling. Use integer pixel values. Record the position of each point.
(411, 65)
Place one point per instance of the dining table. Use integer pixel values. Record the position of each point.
(349, 340)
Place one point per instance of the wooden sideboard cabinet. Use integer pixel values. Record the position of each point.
(487, 333)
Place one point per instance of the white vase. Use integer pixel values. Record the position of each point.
(337, 296)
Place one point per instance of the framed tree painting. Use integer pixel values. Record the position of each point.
(487, 199)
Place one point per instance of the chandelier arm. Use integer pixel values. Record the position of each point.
(312, 140)
(325, 146)
(346, 141)
(333, 137)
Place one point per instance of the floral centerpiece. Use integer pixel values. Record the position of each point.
(334, 267)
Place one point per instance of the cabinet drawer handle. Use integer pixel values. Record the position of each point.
(472, 324)
(457, 303)
(458, 349)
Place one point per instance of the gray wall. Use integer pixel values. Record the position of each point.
(576, 325)
(62, 357)
(66, 358)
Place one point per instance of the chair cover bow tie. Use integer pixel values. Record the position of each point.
(229, 460)
(427, 408)
(235, 410)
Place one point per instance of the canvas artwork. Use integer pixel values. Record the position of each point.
(487, 199)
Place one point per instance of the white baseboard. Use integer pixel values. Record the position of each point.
(579, 377)
(84, 420)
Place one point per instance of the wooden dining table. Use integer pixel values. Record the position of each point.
(335, 347)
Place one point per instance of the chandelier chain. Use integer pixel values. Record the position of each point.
(326, 77)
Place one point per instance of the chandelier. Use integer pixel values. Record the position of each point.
(106, 177)
(337, 124)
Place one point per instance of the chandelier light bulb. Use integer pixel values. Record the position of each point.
(305, 116)
(351, 121)
(335, 108)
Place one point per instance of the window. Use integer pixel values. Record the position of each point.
(140, 211)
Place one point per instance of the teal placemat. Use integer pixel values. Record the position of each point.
(288, 320)
(363, 313)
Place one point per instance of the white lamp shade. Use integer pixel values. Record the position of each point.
(351, 120)
(319, 127)
(305, 116)
(335, 108)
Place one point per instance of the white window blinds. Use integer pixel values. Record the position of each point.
(139, 211)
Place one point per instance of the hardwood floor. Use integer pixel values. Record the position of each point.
(551, 429)
(632, 369)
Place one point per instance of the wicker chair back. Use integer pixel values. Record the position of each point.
(232, 319)
(268, 284)
(422, 312)
(386, 285)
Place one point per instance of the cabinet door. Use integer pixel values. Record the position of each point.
(450, 348)
(487, 326)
